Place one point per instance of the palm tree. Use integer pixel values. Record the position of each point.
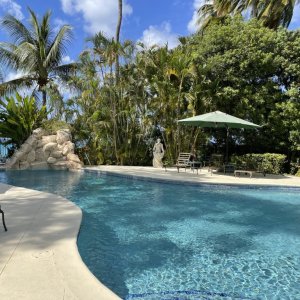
(210, 11)
(272, 13)
(36, 52)
(276, 13)
(118, 30)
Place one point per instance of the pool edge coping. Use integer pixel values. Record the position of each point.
(71, 270)
(186, 181)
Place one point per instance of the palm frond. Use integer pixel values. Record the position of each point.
(16, 29)
(27, 60)
(8, 56)
(46, 30)
(99, 39)
(11, 86)
(64, 71)
(276, 13)
(35, 26)
(58, 47)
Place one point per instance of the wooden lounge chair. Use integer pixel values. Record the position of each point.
(183, 161)
(250, 172)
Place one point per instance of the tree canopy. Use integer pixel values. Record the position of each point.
(36, 52)
(128, 94)
(271, 13)
(241, 68)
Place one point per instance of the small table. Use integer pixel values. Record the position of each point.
(229, 168)
(238, 172)
(195, 165)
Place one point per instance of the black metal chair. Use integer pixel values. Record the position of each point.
(3, 220)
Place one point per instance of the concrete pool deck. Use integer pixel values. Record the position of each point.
(39, 258)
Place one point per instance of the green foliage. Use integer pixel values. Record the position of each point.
(19, 117)
(36, 51)
(271, 163)
(53, 125)
(295, 167)
(251, 72)
(241, 68)
(271, 14)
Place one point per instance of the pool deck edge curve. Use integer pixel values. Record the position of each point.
(39, 258)
(192, 178)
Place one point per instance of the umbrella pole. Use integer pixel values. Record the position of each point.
(227, 136)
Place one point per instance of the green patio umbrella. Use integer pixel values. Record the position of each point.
(218, 119)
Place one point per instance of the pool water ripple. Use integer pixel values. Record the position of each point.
(147, 240)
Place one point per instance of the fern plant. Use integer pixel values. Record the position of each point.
(19, 117)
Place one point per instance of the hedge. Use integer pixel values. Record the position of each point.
(295, 168)
(271, 163)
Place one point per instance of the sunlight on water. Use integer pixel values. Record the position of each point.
(148, 240)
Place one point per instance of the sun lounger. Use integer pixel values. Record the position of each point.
(184, 161)
(250, 172)
(239, 172)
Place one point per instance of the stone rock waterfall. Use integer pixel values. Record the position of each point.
(41, 151)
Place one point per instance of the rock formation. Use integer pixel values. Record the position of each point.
(41, 151)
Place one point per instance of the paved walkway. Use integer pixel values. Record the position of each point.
(39, 259)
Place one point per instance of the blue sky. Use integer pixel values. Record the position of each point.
(151, 21)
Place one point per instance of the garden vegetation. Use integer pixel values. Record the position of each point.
(125, 95)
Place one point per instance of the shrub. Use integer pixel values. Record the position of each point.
(19, 117)
(271, 163)
(295, 167)
(53, 125)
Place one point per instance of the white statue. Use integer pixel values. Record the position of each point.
(158, 154)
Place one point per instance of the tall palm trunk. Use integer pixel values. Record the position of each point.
(117, 74)
(254, 11)
(44, 93)
(118, 30)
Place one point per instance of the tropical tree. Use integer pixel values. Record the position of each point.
(241, 68)
(118, 30)
(36, 52)
(19, 117)
(272, 13)
(251, 72)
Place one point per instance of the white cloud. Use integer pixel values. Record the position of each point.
(13, 75)
(192, 25)
(58, 23)
(12, 8)
(160, 35)
(67, 6)
(67, 60)
(99, 15)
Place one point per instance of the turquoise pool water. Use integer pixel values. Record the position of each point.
(147, 240)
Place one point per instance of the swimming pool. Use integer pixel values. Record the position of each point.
(148, 240)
